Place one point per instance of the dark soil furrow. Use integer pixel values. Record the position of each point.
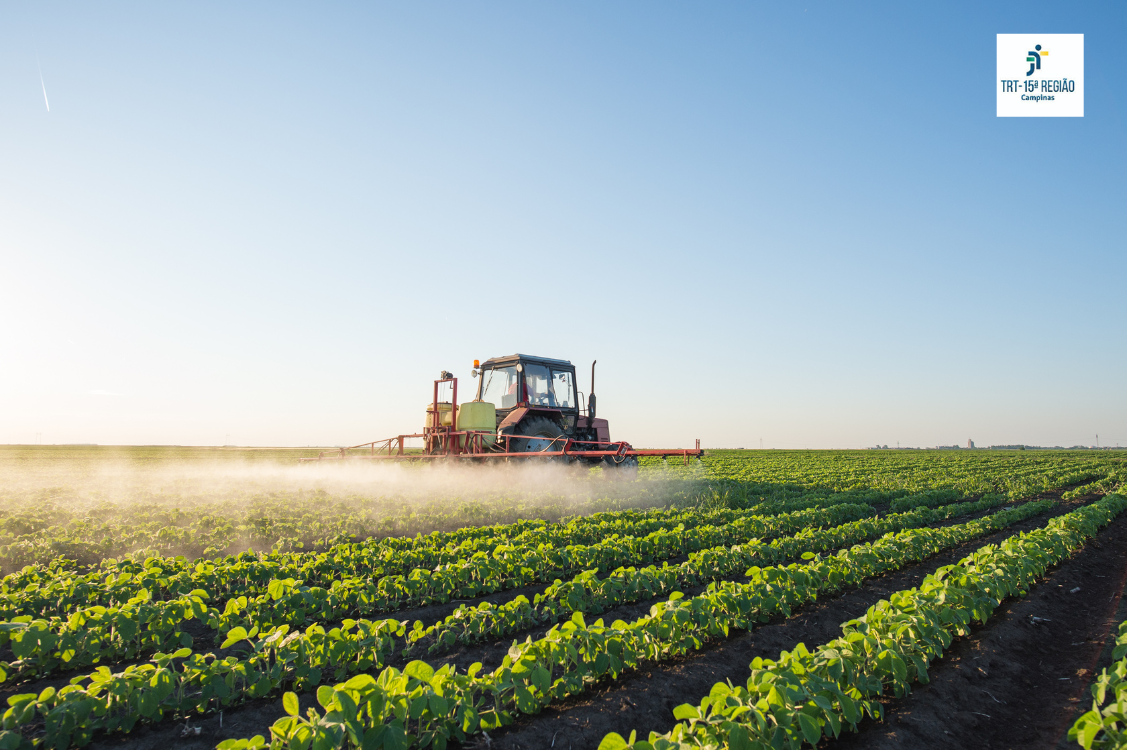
(204, 637)
(633, 701)
(428, 615)
(490, 653)
(1022, 679)
(644, 700)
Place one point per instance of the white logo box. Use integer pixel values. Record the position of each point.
(1054, 90)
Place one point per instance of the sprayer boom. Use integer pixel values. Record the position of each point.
(525, 408)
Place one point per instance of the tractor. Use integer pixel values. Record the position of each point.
(525, 407)
(537, 398)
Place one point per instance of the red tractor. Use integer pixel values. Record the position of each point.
(525, 407)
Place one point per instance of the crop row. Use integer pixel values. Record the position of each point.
(631, 522)
(806, 696)
(1104, 726)
(141, 626)
(925, 500)
(1017, 473)
(45, 525)
(276, 659)
(425, 707)
(587, 592)
(1115, 481)
(511, 567)
(55, 591)
(210, 515)
(185, 683)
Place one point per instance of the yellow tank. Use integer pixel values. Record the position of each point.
(477, 415)
(473, 415)
(444, 415)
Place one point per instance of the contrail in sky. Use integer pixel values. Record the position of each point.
(42, 84)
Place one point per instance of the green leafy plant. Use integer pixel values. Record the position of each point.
(589, 593)
(574, 655)
(1104, 726)
(142, 627)
(806, 695)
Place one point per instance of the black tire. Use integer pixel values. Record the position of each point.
(543, 434)
(629, 465)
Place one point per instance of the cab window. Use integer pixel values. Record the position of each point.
(500, 387)
(538, 385)
(563, 393)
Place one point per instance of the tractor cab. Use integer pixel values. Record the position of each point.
(537, 397)
(532, 386)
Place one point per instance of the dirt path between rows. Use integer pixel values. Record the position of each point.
(644, 700)
(491, 653)
(1022, 679)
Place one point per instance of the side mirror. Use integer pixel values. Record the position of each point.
(592, 405)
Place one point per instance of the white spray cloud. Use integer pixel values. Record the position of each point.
(357, 486)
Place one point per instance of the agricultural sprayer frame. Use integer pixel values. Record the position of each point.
(446, 442)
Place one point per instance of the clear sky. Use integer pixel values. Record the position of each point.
(796, 223)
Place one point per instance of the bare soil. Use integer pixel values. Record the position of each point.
(644, 700)
(1022, 679)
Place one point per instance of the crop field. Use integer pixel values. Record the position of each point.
(236, 598)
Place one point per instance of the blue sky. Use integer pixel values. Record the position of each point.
(799, 224)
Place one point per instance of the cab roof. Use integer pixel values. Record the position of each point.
(514, 358)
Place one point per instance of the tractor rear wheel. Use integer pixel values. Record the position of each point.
(542, 436)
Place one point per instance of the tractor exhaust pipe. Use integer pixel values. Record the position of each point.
(592, 392)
